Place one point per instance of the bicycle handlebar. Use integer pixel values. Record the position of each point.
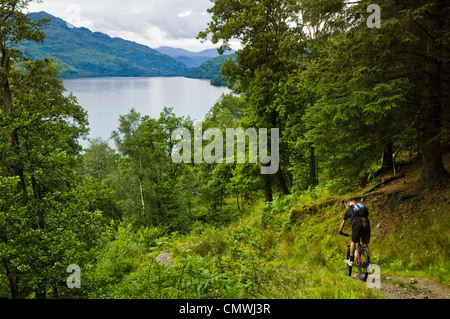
(344, 234)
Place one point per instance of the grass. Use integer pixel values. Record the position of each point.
(288, 249)
(419, 246)
(301, 261)
(403, 284)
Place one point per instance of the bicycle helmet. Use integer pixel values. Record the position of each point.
(351, 204)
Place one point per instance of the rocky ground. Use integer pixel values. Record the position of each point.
(395, 287)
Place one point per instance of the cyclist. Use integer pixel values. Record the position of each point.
(358, 214)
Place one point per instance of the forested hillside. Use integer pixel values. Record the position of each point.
(363, 113)
(191, 59)
(210, 70)
(94, 54)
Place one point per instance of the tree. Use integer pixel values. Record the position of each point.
(370, 83)
(15, 27)
(44, 226)
(432, 19)
(100, 166)
(269, 35)
(100, 160)
(147, 168)
(46, 126)
(226, 113)
(130, 142)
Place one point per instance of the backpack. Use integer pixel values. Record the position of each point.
(359, 210)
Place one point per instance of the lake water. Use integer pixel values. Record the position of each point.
(105, 99)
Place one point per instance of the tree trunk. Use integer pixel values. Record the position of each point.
(42, 293)
(434, 175)
(281, 180)
(8, 106)
(388, 159)
(11, 280)
(189, 203)
(221, 202)
(55, 292)
(16, 166)
(141, 186)
(313, 179)
(267, 180)
(38, 196)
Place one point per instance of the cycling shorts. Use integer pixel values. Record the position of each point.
(361, 231)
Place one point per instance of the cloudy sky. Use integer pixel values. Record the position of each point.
(155, 23)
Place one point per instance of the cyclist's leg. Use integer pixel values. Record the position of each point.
(352, 249)
(365, 236)
(366, 246)
(356, 236)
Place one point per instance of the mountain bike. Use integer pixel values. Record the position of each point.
(362, 260)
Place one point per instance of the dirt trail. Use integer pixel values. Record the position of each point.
(396, 287)
(400, 192)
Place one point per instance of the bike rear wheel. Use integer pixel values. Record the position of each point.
(363, 265)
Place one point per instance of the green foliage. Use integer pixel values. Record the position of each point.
(219, 80)
(419, 246)
(210, 69)
(254, 258)
(368, 102)
(100, 161)
(191, 59)
(155, 193)
(347, 100)
(344, 95)
(49, 219)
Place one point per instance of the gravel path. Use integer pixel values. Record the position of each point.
(396, 287)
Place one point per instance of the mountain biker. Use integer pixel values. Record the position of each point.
(358, 214)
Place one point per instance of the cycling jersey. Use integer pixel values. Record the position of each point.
(360, 227)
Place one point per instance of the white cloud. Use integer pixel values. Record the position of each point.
(151, 22)
(184, 14)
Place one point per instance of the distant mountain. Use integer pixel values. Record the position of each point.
(191, 59)
(174, 52)
(95, 54)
